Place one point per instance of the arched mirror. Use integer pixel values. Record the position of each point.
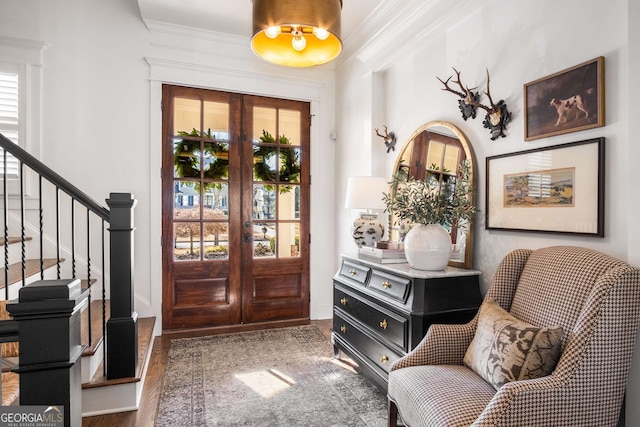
(439, 148)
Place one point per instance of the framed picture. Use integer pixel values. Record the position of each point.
(556, 189)
(567, 101)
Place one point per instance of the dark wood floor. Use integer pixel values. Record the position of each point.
(145, 416)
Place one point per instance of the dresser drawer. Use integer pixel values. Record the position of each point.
(355, 272)
(382, 321)
(372, 349)
(392, 286)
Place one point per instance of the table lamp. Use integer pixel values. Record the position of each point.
(365, 192)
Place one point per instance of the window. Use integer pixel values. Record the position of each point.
(20, 100)
(9, 116)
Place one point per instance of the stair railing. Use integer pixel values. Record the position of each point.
(120, 353)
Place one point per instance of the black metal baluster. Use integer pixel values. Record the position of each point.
(73, 238)
(23, 244)
(58, 232)
(41, 227)
(5, 216)
(104, 309)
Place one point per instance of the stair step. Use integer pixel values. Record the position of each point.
(12, 240)
(32, 268)
(145, 341)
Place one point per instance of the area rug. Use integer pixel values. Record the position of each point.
(276, 377)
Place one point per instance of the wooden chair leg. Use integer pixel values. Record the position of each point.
(392, 414)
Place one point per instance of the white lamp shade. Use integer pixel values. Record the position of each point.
(365, 192)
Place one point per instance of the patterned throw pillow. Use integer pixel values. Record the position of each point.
(506, 349)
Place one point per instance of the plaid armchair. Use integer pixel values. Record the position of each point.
(593, 297)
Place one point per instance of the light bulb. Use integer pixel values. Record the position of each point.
(272, 32)
(320, 33)
(299, 43)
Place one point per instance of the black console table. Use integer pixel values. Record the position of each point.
(382, 311)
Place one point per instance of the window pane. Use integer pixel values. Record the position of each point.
(290, 126)
(264, 120)
(216, 240)
(186, 116)
(289, 202)
(264, 202)
(289, 240)
(435, 155)
(289, 165)
(186, 237)
(8, 101)
(216, 120)
(264, 239)
(186, 200)
(216, 201)
(452, 159)
(216, 160)
(264, 163)
(186, 158)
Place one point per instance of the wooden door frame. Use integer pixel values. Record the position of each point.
(235, 222)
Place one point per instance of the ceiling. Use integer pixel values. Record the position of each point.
(234, 16)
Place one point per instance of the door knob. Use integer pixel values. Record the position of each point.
(247, 224)
(248, 237)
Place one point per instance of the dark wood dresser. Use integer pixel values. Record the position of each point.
(382, 311)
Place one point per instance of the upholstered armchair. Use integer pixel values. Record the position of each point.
(558, 355)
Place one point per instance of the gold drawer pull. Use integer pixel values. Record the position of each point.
(352, 272)
(343, 329)
(384, 359)
(386, 284)
(343, 301)
(383, 324)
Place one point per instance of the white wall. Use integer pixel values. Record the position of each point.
(633, 409)
(103, 70)
(518, 42)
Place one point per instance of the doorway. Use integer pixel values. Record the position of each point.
(235, 209)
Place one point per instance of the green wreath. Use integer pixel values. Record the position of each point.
(289, 160)
(186, 156)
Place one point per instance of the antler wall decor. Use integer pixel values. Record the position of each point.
(497, 114)
(468, 97)
(389, 139)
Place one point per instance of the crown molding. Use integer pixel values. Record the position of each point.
(401, 24)
(194, 33)
(22, 50)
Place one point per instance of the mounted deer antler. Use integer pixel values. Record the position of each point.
(497, 114)
(389, 139)
(466, 104)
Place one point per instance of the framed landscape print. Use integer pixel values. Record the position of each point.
(556, 189)
(568, 101)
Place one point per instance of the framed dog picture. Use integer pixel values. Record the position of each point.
(567, 101)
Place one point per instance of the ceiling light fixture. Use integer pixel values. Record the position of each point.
(297, 33)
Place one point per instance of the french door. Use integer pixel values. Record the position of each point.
(235, 210)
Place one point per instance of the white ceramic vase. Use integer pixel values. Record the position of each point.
(427, 247)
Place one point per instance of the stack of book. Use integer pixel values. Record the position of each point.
(383, 256)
